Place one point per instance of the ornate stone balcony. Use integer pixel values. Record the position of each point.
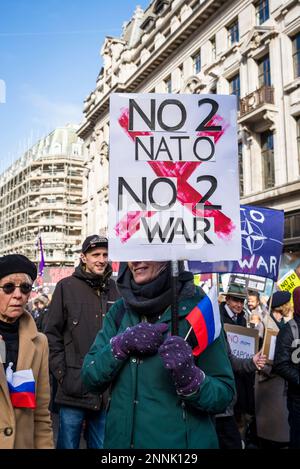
(255, 100)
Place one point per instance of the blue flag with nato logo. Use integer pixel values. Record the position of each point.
(262, 232)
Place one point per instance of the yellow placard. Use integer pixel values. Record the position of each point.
(197, 278)
(289, 282)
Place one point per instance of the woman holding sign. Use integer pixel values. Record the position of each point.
(24, 380)
(163, 396)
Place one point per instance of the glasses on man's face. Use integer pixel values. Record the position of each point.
(10, 287)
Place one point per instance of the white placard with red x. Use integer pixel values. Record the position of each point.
(174, 187)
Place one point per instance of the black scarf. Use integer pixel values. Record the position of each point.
(99, 283)
(153, 298)
(10, 334)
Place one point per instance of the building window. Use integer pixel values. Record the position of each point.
(49, 252)
(267, 153)
(241, 171)
(233, 33)
(160, 6)
(298, 139)
(292, 225)
(213, 48)
(297, 225)
(148, 23)
(264, 71)
(197, 62)
(234, 88)
(168, 85)
(262, 11)
(296, 55)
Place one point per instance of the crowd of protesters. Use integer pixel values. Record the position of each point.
(116, 370)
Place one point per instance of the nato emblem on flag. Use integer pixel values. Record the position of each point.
(205, 321)
(262, 232)
(21, 385)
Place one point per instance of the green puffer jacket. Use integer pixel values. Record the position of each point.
(145, 410)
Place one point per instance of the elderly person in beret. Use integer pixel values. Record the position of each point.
(270, 389)
(281, 309)
(162, 395)
(24, 380)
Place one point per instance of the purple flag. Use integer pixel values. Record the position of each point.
(262, 240)
(42, 260)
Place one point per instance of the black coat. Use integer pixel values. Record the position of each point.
(75, 316)
(287, 357)
(244, 381)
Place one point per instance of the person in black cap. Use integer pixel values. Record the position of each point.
(24, 416)
(79, 304)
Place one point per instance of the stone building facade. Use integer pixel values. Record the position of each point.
(41, 195)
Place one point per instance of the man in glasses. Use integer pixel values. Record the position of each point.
(24, 374)
(76, 313)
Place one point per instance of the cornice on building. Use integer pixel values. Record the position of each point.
(199, 16)
(265, 197)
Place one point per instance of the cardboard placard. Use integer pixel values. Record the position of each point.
(243, 341)
(269, 344)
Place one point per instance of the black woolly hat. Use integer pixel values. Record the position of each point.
(17, 264)
(279, 299)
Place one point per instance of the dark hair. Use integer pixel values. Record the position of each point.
(254, 293)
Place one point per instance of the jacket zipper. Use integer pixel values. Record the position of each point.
(184, 417)
(143, 319)
(134, 403)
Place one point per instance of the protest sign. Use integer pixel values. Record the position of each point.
(289, 282)
(269, 344)
(172, 160)
(243, 341)
(249, 282)
(262, 241)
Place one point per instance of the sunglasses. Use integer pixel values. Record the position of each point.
(10, 287)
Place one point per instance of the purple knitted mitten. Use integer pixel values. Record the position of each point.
(142, 339)
(177, 357)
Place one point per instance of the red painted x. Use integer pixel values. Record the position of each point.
(186, 194)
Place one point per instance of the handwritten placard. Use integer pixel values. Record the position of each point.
(243, 341)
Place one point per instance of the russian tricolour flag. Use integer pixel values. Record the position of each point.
(205, 321)
(21, 387)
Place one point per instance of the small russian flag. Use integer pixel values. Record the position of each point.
(21, 387)
(205, 321)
